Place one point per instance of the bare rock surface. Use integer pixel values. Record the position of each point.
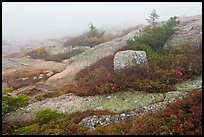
(190, 31)
(26, 62)
(89, 57)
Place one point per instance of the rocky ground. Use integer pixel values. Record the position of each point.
(103, 120)
(130, 103)
(26, 62)
(190, 30)
(89, 57)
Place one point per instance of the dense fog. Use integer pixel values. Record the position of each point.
(23, 22)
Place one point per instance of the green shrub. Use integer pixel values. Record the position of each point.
(27, 130)
(155, 36)
(11, 102)
(135, 45)
(47, 115)
(7, 91)
(160, 58)
(165, 68)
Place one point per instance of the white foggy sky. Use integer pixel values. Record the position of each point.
(36, 21)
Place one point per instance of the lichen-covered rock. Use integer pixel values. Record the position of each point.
(128, 58)
(190, 32)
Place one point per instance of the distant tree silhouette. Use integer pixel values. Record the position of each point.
(92, 31)
(153, 17)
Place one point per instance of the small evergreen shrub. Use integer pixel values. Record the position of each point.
(165, 68)
(11, 102)
(47, 115)
(155, 36)
(27, 130)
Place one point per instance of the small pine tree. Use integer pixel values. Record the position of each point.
(92, 27)
(153, 17)
(92, 31)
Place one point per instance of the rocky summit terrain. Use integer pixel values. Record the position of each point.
(190, 29)
(128, 104)
(36, 77)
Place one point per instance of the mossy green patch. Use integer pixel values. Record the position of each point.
(123, 101)
(26, 130)
(189, 85)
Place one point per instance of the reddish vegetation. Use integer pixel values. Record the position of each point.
(184, 117)
(157, 76)
(69, 123)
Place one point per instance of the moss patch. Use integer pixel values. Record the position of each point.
(191, 84)
(26, 130)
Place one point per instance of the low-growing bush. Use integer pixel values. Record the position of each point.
(12, 102)
(165, 68)
(155, 36)
(27, 130)
(51, 122)
(183, 117)
(188, 59)
(47, 115)
(65, 89)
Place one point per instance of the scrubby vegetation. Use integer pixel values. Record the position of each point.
(165, 68)
(184, 117)
(52, 122)
(12, 102)
(155, 36)
(90, 39)
(175, 64)
(41, 53)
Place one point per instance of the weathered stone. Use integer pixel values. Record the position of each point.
(24, 79)
(190, 31)
(40, 76)
(49, 73)
(128, 58)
